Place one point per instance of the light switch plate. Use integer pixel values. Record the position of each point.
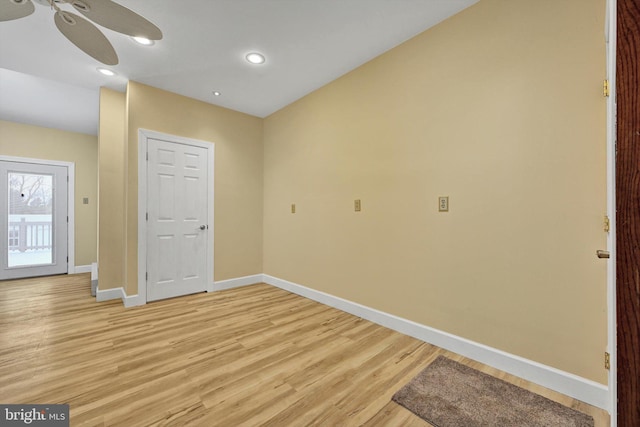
(293, 208)
(443, 204)
(357, 206)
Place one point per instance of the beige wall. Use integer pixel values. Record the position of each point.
(111, 137)
(22, 140)
(500, 108)
(238, 174)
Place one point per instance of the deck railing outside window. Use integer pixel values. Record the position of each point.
(25, 235)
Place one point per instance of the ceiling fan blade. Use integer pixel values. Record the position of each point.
(86, 36)
(15, 9)
(117, 18)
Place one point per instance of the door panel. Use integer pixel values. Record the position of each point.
(30, 241)
(177, 229)
(34, 219)
(628, 213)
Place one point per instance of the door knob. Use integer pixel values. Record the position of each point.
(202, 227)
(602, 254)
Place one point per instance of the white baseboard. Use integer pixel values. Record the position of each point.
(82, 269)
(132, 300)
(566, 383)
(94, 271)
(136, 300)
(118, 293)
(221, 285)
(109, 294)
(585, 390)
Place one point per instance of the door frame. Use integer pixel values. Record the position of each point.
(71, 173)
(143, 136)
(610, 37)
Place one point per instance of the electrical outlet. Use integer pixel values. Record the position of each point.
(357, 206)
(443, 204)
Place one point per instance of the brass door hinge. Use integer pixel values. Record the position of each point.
(607, 224)
(607, 361)
(605, 88)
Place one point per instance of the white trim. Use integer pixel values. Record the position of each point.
(143, 136)
(83, 269)
(610, 36)
(110, 294)
(132, 300)
(137, 300)
(563, 382)
(142, 209)
(237, 282)
(119, 293)
(71, 225)
(94, 271)
(94, 278)
(71, 207)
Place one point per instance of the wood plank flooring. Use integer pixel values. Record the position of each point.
(250, 356)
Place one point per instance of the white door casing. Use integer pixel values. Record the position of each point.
(611, 43)
(175, 245)
(55, 176)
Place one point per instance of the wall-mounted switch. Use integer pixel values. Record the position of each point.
(357, 206)
(443, 204)
(293, 208)
(85, 200)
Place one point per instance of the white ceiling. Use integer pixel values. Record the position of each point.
(47, 81)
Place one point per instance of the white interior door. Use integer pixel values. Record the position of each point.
(34, 219)
(177, 228)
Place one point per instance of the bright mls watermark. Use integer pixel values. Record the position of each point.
(34, 415)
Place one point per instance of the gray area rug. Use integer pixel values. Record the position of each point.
(449, 394)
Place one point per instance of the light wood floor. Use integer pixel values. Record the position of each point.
(245, 357)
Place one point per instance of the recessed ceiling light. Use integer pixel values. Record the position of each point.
(255, 58)
(216, 93)
(106, 71)
(143, 41)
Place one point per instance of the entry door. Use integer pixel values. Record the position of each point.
(628, 213)
(33, 217)
(177, 229)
